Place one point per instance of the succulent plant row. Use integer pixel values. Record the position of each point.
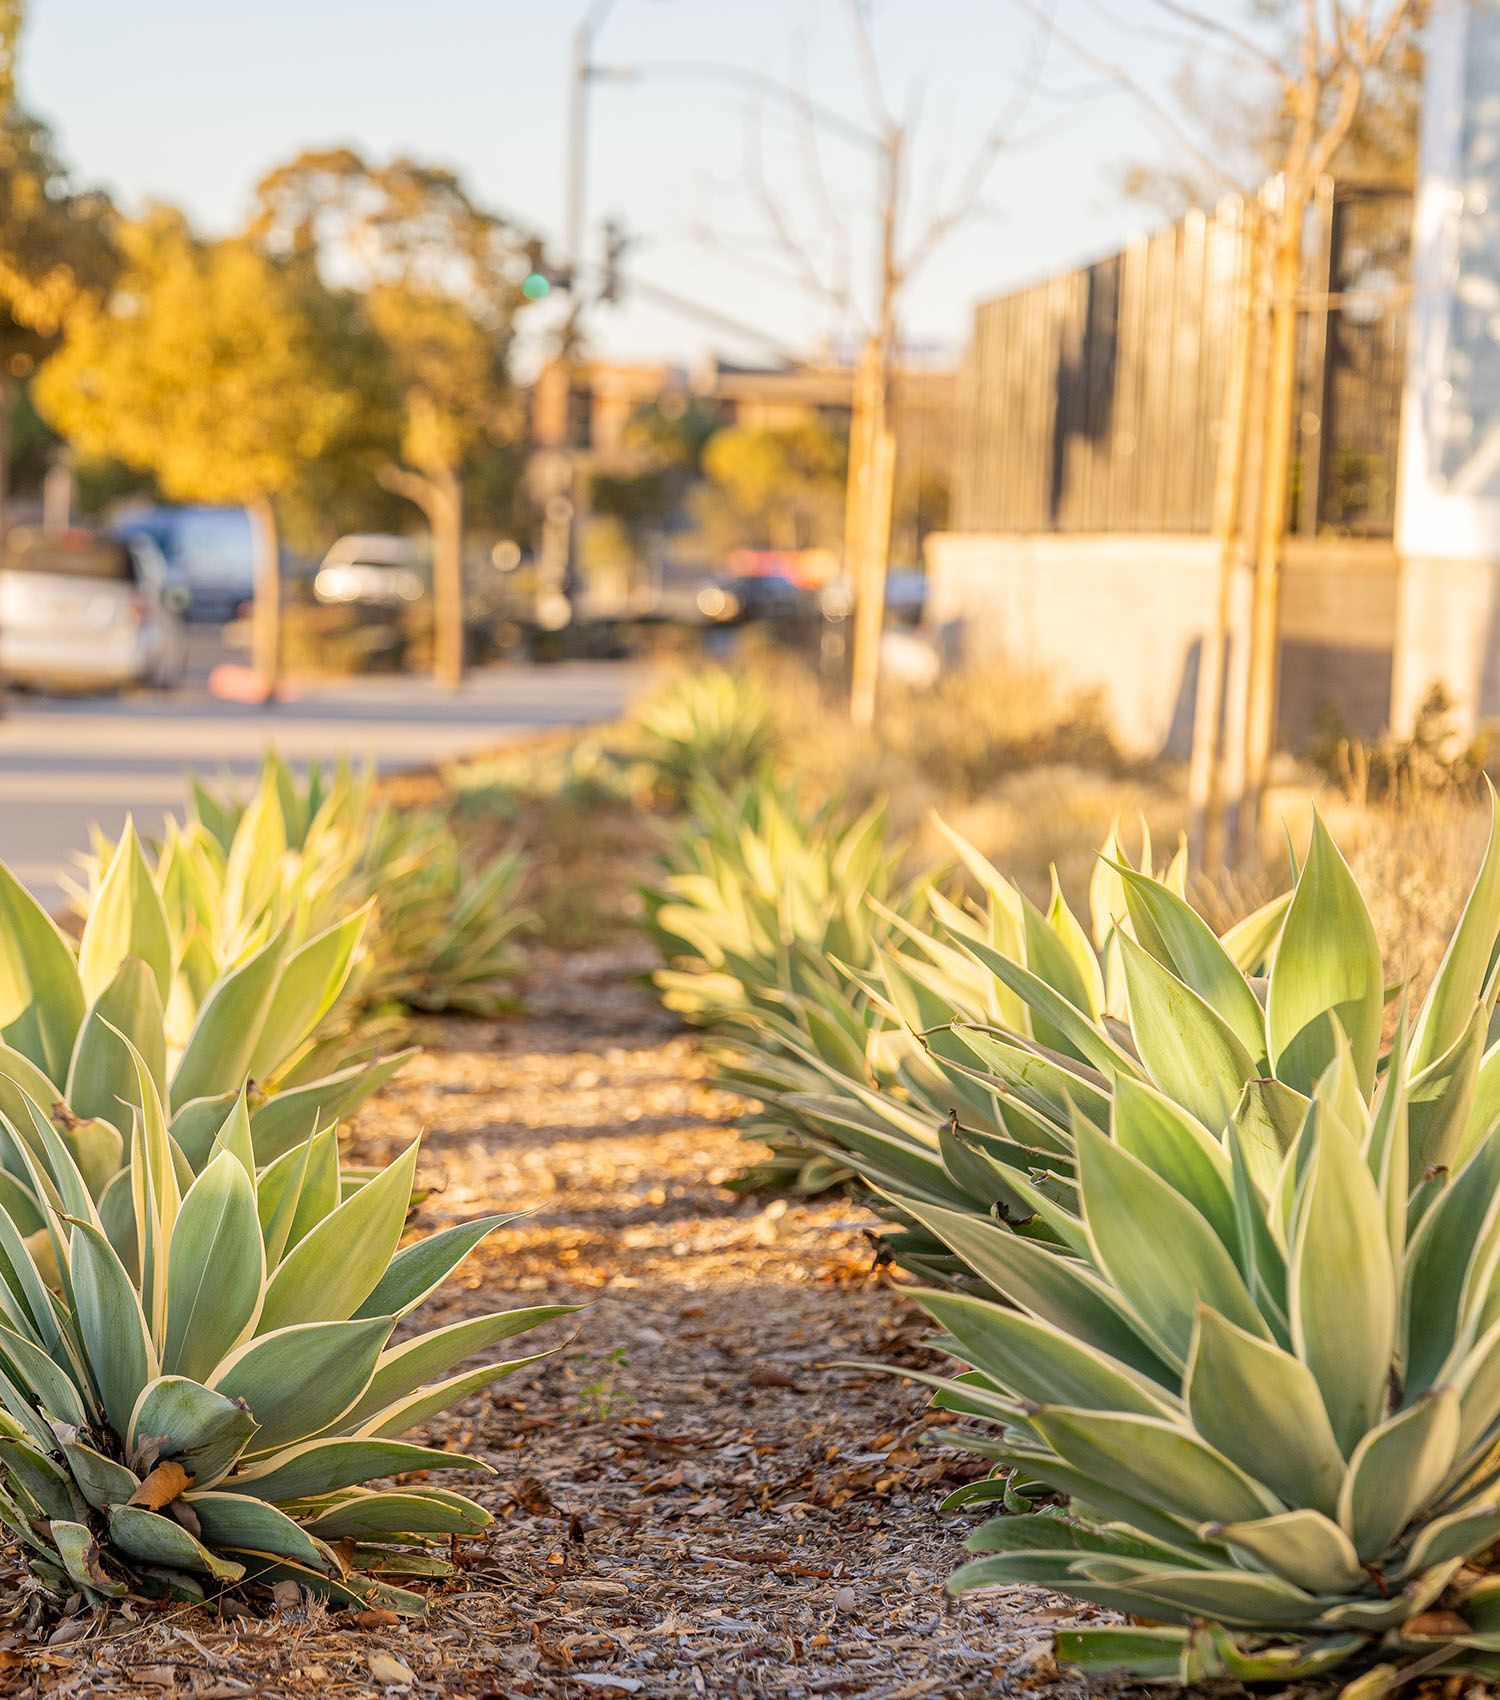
(211, 1412)
(838, 1010)
(198, 1380)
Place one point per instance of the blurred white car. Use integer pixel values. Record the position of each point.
(374, 569)
(86, 611)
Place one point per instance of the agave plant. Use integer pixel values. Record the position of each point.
(711, 727)
(867, 1069)
(1262, 1382)
(300, 855)
(442, 934)
(213, 1414)
(760, 900)
(1226, 1046)
(758, 913)
(68, 1023)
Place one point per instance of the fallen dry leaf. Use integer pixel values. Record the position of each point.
(286, 1594)
(376, 1617)
(162, 1486)
(1436, 1623)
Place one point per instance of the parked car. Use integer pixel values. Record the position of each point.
(373, 569)
(83, 611)
(209, 551)
(691, 596)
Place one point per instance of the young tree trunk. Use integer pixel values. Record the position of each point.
(1260, 723)
(873, 482)
(864, 563)
(265, 613)
(440, 496)
(7, 407)
(447, 517)
(1205, 772)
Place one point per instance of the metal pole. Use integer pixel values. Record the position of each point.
(578, 135)
(559, 538)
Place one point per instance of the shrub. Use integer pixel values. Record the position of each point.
(207, 1412)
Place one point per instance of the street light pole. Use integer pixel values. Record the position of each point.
(589, 26)
(556, 474)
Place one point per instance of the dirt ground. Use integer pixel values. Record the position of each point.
(689, 1498)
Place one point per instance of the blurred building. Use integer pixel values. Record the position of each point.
(589, 404)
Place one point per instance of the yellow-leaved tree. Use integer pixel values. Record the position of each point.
(440, 280)
(56, 243)
(230, 376)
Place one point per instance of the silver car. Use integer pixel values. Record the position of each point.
(372, 568)
(87, 612)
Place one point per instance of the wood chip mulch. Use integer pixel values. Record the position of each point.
(690, 1498)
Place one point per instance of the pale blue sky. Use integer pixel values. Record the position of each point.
(190, 100)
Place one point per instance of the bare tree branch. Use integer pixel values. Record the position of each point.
(1122, 79)
(805, 126)
(1243, 43)
(982, 163)
(832, 289)
(869, 64)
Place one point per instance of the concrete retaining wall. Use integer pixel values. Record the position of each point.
(1126, 615)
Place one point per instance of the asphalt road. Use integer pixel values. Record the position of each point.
(67, 762)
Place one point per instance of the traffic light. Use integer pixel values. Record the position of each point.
(616, 245)
(542, 276)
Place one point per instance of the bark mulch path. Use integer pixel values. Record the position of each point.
(689, 1499)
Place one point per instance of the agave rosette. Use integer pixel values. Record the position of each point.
(65, 1018)
(213, 1414)
(758, 901)
(1266, 1385)
(757, 913)
(1251, 1331)
(711, 727)
(441, 933)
